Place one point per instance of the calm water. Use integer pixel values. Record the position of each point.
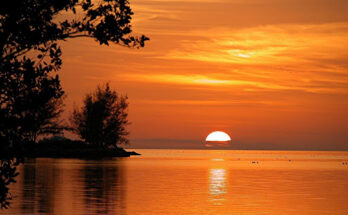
(186, 182)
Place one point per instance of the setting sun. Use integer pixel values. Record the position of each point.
(218, 136)
(158, 107)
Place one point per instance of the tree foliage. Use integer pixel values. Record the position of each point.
(102, 120)
(30, 57)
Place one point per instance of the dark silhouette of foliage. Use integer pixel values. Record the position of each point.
(102, 120)
(7, 174)
(31, 102)
(29, 31)
(30, 91)
(58, 146)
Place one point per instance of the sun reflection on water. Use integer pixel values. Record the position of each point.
(217, 185)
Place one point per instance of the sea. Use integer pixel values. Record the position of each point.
(178, 182)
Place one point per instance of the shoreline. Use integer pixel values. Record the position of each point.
(81, 154)
(65, 149)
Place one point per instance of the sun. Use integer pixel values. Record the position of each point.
(218, 136)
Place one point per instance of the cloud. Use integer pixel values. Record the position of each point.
(206, 102)
(196, 80)
(308, 58)
(281, 44)
(225, 81)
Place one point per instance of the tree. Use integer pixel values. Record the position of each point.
(31, 103)
(102, 120)
(30, 57)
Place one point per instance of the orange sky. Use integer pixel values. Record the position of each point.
(272, 74)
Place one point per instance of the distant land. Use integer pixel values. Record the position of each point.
(158, 143)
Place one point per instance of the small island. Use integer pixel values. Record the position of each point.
(61, 147)
(99, 126)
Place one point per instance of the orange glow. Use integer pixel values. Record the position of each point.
(202, 182)
(270, 73)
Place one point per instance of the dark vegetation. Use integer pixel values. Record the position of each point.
(102, 120)
(58, 146)
(31, 96)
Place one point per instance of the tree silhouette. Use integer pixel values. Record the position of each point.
(29, 32)
(30, 57)
(102, 120)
